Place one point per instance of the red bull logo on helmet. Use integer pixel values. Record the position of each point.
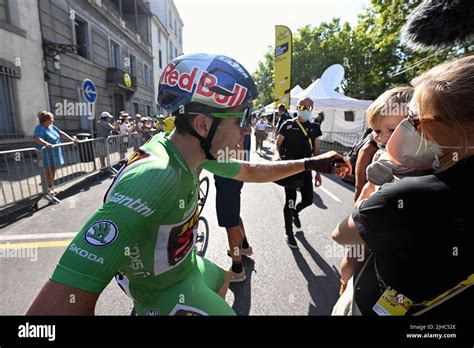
(206, 81)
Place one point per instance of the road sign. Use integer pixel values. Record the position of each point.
(89, 90)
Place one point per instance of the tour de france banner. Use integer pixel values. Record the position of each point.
(283, 48)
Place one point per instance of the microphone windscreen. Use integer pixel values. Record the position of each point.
(439, 24)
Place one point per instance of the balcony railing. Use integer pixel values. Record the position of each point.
(121, 79)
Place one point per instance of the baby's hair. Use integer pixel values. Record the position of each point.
(393, 102)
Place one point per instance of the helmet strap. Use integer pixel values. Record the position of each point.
(206, 143)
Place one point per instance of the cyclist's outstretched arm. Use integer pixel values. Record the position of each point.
(59, 299)
(331, 162)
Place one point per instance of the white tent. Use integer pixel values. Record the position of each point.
(341, 113)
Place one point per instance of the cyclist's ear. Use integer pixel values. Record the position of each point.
(202, 124)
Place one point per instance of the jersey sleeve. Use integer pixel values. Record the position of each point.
(140, 196)
(283, 130)
(228, 169)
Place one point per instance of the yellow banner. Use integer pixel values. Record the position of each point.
(283, 48)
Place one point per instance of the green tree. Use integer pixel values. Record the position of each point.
(371, 52)
(263, 76)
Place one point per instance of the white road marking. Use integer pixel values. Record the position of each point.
(37, 236)
(329, 193)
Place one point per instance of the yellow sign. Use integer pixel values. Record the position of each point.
(283, 51)
(127, 80)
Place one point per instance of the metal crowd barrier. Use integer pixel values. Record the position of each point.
(20, 176)
(120, 147)
(23, 171)
(336, 141)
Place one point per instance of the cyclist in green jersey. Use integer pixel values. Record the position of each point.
(144, 233)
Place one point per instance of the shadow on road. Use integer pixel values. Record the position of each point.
(84, 185)
(243, 290)
(317, 201)
(265, 153)
(339, 181)
(29, 208)
(324, 289)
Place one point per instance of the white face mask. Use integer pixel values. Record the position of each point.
(305, 115)
(408, 148)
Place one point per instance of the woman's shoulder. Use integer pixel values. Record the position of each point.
(39, 130)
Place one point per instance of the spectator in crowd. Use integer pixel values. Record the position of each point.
(125, 130)
(298, 138)
(48, 135)
(159, 125)
(260, 133)
(168, 123)
(283, 115)
(104, 127)
(420, 230)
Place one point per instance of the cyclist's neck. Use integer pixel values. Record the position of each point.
(189, 148)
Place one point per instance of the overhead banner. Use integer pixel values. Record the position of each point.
(283, 50)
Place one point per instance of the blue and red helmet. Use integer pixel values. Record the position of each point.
(214, 85)
(214, 82)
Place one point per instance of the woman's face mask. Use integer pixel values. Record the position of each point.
(408, 148)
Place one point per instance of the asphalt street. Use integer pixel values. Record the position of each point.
(280, 280)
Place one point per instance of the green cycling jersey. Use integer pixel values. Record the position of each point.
(145, 232)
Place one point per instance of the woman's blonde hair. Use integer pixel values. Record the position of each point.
(393, 102)
(44, 116)
(445, 94)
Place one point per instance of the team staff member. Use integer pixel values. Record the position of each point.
(296, 139)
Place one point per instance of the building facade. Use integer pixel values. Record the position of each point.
(167, 37)
(160, 37)
(106, 41)
(49, 47)
(22, 84)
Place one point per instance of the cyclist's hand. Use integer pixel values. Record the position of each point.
(330, 162)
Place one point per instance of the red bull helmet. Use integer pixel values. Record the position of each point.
(215, 85)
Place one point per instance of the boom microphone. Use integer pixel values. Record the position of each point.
(437, 24)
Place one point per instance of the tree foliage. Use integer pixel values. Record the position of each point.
(371, 53)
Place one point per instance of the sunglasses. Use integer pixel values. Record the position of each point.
(245, 116)
(302, 107)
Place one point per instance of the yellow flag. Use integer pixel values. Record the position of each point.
(283, 48)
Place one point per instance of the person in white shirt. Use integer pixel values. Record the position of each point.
(260, 132)
(125, 129)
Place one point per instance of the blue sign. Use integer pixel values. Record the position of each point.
(89, 90)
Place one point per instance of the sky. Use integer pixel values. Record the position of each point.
(242, 29)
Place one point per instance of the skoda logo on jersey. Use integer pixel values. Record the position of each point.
(101, 234)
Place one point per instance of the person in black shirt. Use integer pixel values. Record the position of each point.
(296, 139)
(283, 116)
(420, 230)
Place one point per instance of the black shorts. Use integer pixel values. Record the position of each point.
(228, 201)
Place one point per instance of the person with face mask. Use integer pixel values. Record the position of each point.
(420, 230)
(298, 138)
(383, 117)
